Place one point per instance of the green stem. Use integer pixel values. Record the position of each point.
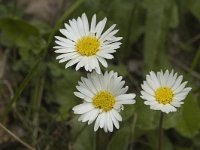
(97, 140)
(133, 131)
(129, 29)
(160, 138)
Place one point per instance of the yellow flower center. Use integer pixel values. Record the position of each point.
(87, 46)
(164, 95)
(104, 100)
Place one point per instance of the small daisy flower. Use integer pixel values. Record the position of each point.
(86, 45)
(164, 91)
(103, 97)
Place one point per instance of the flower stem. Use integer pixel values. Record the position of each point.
(97, 140)
(160, 138)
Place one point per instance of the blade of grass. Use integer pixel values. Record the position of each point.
(36, 107)
(129, 29)
(195, 60)
(21, 88)
(16, 137)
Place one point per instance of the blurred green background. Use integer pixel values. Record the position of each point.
(36, 93)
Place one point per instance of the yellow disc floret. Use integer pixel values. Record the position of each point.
(164, 95)
(104, 100)
(87, 46)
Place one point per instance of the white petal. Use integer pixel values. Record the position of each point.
(125, 97)
(86, 116)
(97, 123)
(166, 77)
(169, 108)
(82, 108)
(65, 50)
(65, 55)
(180, 88)
(100, 27)
(93, 24)
(109, 122)
(147, 89)
(103, 119)
(177, 82)
(93, 116)
(107, 32)
(80, 63)
(176, 104)
(155, 79)
(67, 34)
(147, 96)
(103, 61)
(125, 102)
(85, 91)
(72, 62)
(71, 31)
(65, 40)
(80, 95)
(116, 115)
(69, 57)
(150, 82)
(85, 23)
(64, 44)
(115, 121)
(105, 55)
(80, 26)
(161, 78)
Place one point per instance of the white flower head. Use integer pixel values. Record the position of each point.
(103, 98)
(86, 45)
(164, 91)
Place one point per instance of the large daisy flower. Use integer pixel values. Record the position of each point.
(86, 45)
(164, 91)
(103, 97)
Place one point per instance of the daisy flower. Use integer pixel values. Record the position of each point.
(86, 45)
(103, 97)
(164, 91)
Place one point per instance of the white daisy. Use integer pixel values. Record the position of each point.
(164, 91)
(86, 45)
(103, 97)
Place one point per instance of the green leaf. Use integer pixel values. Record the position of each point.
(155, 34)
(62, 88)
(174, 19)
(147, 119)
(21, 33)
(121, 69)
(189, 124)
(183, 148)
(120, 140)
(171, 119)
(153, 141)
(3, 10)
(85, 140)
(127, 112)
(194, 6)
(82, 135)
(196, 140)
